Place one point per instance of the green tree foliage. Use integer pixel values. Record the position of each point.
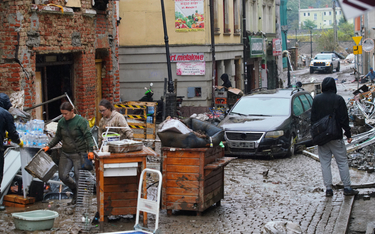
(326, 40)
(345, 31)
(307, 24)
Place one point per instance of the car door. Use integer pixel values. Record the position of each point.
(297, 115)
(306, 116)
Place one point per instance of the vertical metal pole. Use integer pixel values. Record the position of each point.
(244, 42)
(212, 25)
(170, 82)
(164, 99)
(311, 43)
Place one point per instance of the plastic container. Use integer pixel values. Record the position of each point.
(125, 146)
(34, 220)
(41, 166)
(111, 136)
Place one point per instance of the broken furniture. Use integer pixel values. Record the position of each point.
(117, 176)
(193, 178)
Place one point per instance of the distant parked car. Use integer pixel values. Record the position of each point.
(268, 124)
(325, 62)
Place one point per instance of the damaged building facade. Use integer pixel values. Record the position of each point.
(49, 48)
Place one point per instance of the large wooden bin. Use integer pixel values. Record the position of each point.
(193, 178)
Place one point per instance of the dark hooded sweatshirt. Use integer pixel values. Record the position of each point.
(225, 79)
(7, 121)
(324, 104)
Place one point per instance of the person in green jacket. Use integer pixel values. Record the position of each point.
(74, 133)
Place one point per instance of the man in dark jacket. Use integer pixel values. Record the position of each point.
(323, 105)
(6, 125)
(226, 82)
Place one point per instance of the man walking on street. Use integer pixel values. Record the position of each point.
(323, 105)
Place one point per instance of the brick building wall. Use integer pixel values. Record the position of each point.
(30, 29)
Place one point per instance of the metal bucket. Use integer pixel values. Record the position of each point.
(41, 166)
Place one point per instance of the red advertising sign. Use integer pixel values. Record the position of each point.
(276, 47)
(189, 57)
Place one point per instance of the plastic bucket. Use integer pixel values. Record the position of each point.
(111, 136)
(41, 166)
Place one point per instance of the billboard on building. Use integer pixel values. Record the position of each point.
(276, 47)
(189, 15)
(191, 69)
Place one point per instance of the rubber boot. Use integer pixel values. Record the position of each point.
(74, 197)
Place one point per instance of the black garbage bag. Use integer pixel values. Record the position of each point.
(191, 140)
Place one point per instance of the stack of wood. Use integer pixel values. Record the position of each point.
(13, 200)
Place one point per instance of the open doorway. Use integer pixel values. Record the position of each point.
(56, 73)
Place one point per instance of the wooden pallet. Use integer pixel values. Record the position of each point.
(13, 200)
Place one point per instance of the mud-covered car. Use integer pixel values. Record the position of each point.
(268, 124)
(325, 62)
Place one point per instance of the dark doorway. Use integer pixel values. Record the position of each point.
(58, 82)
(56, 72)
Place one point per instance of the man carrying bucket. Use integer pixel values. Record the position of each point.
(7, 130)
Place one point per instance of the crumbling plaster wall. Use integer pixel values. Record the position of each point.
(29, 29)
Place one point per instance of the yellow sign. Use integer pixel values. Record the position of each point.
(357, 39)
(357, 49)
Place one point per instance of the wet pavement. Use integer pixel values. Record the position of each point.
(256, 192)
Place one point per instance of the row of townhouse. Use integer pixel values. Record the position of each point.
(113, 49)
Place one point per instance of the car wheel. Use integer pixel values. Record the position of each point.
(291, 147)
(338, 68)
(311, 70)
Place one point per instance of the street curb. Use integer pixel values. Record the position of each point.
(342, 221)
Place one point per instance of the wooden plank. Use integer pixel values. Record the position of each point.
(187, 184)
(121, 180)
(12, 204)
(19, 199)
(181, 176)
(210, 188)
(121, 203)
(184, 169)
(180, 191)
(183, 154)
(216, 195)
(180, 206)
(182, 161)
(120, 188)
(123, 195)
(181, 198)
(214, 177)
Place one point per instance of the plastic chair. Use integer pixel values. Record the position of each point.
(147, 206)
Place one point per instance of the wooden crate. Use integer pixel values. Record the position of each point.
(193, 178)
(13, 200)
(138, 111)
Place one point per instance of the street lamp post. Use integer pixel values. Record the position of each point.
(310, 42)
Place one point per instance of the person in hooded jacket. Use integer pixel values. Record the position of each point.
(7, 127)
(225, 78)
(111, 118)
(324, 104)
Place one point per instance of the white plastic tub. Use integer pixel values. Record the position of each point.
(34, 220)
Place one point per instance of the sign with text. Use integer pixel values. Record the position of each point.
(191, 69)
(189, 15)
(256, 47)
(276, 47)
(189, 57)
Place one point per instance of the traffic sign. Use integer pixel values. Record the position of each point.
(357, 49)
(357, 39)
(368, 45)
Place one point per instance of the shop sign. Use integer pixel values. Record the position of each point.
(189, 15)
(191, 69)
(276, 47)
(256, 47)
(189, 57)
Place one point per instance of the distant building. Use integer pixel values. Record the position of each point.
(322, 17)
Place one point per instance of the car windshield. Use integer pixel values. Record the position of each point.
(262, 106)
(323, 57)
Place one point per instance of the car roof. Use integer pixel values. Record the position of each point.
(278, 93)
